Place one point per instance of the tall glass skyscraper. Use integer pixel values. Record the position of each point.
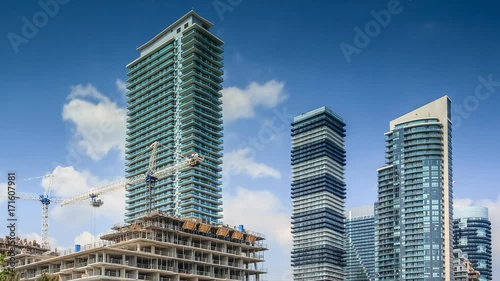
(174, 98)
(318, 195)
(414, 208)
(360, 244)
(472, 233)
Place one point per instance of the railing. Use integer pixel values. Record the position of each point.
(67, 265)
(186, 257)
(145, 277)
(87, 247)
(81, 264)
(112, 273)
(115, 261)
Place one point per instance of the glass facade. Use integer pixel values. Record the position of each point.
(360, 244)
(414, 207)
(174, 98)
(472, 235)
(318, 195)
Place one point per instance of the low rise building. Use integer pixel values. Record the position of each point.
(157, 247)
(463, 269)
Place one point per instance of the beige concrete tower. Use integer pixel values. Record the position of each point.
(415, 195)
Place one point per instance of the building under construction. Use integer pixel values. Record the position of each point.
(20, 246)
(157, 247)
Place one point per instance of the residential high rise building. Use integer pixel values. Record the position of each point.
(174, 98)
(472, 235)
(360, 244)
(318, 195)
(414, 209)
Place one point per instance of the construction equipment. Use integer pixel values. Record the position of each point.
(151, 177)
(46, 199)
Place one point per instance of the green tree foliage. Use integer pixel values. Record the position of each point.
(5, 273)
(48, 277)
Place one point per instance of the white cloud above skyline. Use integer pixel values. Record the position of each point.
(260, 211)
(241, 103)
(241, 162)
(99, 124)
(121, 86)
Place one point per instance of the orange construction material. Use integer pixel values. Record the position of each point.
(204, 228)
(251, 238)
(237, 235)
(189, 225)
(222, 231)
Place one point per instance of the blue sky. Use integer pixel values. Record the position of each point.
(280, 60)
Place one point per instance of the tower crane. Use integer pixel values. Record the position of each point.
(151, 177)
(46, 199)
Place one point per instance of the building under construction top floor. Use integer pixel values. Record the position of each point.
(157, 247)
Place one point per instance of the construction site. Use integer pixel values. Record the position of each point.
(156, 247)
(173, 228)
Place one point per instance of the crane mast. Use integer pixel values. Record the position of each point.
(46, 200)
(150, 177)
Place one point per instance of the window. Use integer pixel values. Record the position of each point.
(178, 30)
(186, 25)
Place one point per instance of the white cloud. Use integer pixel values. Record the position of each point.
(85, 238)
(122, 86)
(457, 203)
(69, 182)
(241, 103)
(4, 192)
(100, 124)
(494, 216)
(259, 211)
(241, 162)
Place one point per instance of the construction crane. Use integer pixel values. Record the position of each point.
(46, 199)
(151, 177)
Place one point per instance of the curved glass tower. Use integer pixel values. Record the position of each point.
(174, 98)
(472, 233)
(414, 208)
(318, 195)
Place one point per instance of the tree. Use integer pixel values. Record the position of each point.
(5, 273)
(48, 277)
